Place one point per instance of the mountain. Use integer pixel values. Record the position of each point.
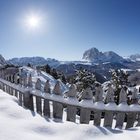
(2, 60)
(23, 61)
(95, 56)
(134, 57)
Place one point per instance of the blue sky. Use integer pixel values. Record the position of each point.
(69, 27)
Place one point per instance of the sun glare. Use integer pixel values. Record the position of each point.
(33, 21)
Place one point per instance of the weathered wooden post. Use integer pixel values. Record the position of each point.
(3, 87)
(138, 124)
(57, 107)
(20, 98)
(46, 108)
(11, 88)
(108, 119)
(28, 97)
(20, 93)
(12, 78)
(87, 96)
(71, 110)
(120, 116)
(28, 100)
(16, 82)
(134, 97)
(131, 117)
(38, 99)
(98, 98)
(25, 78)
(30, 83)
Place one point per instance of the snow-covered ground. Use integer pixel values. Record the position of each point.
(17, 123)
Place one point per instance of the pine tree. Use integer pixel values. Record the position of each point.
(54, 73)
(84, 79)
(119, 80)
(47, 69)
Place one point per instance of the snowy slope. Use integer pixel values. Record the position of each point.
(43, 77)
(17, 123)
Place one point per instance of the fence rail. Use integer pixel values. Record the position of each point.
(87, 109)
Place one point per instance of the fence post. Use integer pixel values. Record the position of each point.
(131, 117)
(120, 116)
(57, 107)
(28, 100)
(38, 99)
(71, 110)
(30, 84)
(108, 119)
(16, 82)
(46, 108)
(98, 98)
(85, 113)
(20, 98)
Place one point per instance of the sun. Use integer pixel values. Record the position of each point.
(33, 21)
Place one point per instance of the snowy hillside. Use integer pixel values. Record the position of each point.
(43, 77)
(17, 123)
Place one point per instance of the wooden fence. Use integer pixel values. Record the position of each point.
(90, 108)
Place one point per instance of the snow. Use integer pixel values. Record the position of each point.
(127, 70)
(17, 123)
(43, 77)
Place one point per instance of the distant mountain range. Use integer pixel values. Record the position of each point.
(91, 56)
(100, 63)
(135, 57)
(23, 61)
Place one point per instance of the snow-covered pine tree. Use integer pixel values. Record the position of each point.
(119, 80)
(84, 79)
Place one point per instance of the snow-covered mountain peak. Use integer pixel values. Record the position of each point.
(94, 55)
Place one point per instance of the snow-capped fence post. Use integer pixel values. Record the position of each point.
(108, 118)
(57, 107)
(71, 110)
(131, 116)
(38, 99)
(87, 97)
(98, 98)
(46, 108)
(120, 116)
